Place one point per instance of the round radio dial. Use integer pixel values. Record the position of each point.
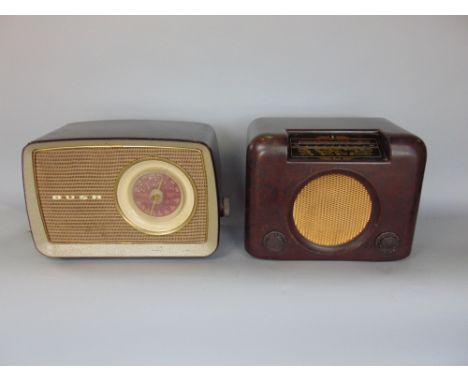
(157, 194)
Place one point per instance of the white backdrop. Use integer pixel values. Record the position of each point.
(226, 71)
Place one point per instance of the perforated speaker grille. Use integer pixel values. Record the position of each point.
(95, 171)
(332, 209)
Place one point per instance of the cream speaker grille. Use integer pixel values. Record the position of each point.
(89, 176)
(332, 209)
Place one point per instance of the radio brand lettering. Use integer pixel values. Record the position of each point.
(76, 197)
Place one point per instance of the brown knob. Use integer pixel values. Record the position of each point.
(388, 242)
(274, 241)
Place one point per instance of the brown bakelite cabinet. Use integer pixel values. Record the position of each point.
(332, 189)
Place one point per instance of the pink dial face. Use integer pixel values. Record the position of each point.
(156, 194)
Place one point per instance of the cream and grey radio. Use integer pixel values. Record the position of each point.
(124, 189)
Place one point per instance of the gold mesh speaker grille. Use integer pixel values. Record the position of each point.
(95, 171)
(332, 209)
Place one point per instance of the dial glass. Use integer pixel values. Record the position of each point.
(157, 194)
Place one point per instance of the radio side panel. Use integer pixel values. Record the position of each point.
(266, 154)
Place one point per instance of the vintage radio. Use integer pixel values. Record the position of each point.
(332, 188)
(124, 189)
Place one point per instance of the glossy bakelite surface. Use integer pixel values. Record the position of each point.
(284, 223)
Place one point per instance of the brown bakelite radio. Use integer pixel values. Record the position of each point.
(332, 189)
(124, 189)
